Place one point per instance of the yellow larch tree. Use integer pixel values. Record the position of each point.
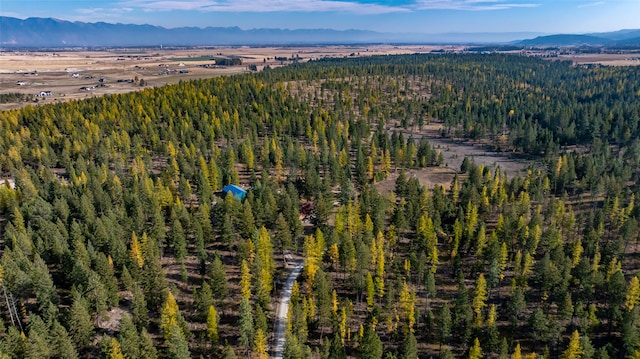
(115, 351)
(212, 325)
(633, 294)
(135, 253)
(260, 344)
(479, 299)
(169, 315)
(245, 280)
(574, 350)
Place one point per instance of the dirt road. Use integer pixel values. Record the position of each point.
(283, 309)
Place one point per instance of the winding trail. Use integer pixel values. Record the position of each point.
(283, 309)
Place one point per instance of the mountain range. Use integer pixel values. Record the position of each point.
(619, 38)
(55, 33)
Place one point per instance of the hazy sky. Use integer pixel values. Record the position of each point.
(424, 16)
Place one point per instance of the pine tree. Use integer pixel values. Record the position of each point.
(218, 281)
(336, 349)
(178, 239)
(228, 352)
(80, 323)
(370, 345)
(177, 344)
(245, 324)
(445, 324)
(61, 344)
(409, 347)
(129, 339)
(139, 308)
(370, 291)
(147, 348)
(203, 300)
(283, 233)
(246, 223)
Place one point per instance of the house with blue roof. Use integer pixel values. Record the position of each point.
(237, 191)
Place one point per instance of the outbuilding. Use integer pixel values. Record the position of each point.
(237, 191)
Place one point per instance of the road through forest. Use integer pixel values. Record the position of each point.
(283, 309)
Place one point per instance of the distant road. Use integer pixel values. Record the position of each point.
(283, 309)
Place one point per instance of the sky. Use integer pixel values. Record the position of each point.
(399, 16)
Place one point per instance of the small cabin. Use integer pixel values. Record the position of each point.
(237, 191)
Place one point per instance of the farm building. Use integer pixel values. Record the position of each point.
(236, 191)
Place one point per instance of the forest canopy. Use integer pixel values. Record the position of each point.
(118, 243)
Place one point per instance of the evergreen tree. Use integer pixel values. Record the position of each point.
(336, 349)
(203, 300)
(229, 353)
(177, 344)
(147, 348)
(80, 323)
(370, 345)
(245, 324)
(218, 281)
(128, 338)
(61, 344)
(445, 324)
(409, 347)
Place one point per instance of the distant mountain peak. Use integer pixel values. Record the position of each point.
(50, 32)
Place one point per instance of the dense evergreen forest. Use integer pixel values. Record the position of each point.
(117, 242)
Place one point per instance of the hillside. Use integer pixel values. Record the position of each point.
(565, 40)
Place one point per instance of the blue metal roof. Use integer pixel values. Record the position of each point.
(236, 191)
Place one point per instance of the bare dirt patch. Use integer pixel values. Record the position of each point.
(428, 177)
(455, 150)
